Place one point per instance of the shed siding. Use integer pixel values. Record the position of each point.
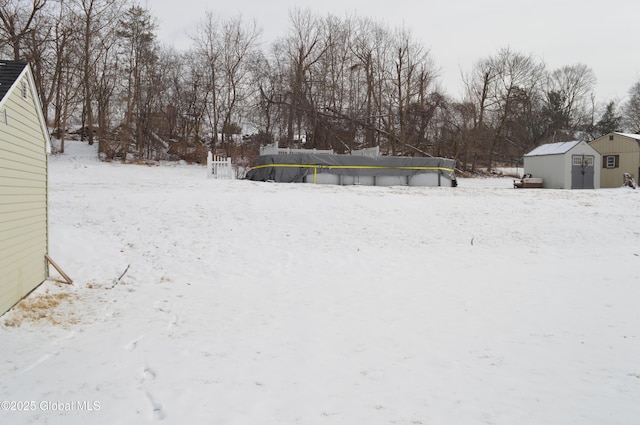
(556, 168)
(582, 148)
(549, 167)
(628, 150)
(23, 197)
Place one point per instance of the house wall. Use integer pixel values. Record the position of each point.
(628, 150)
(23, 195)
(548, 167)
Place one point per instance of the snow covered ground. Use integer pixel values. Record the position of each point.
(262, 303)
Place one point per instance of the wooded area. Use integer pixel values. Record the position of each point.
(329, 82)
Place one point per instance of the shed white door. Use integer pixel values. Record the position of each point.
(582, 172)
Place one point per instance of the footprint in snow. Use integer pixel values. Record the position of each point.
(162, 306)
(149, 374)
(157, 411)
(133, 344)
(173, 322)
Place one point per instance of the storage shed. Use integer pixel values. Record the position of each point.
(620, 154)
(564, 165)
(24, 145)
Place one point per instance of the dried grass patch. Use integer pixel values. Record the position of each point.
(53, 308)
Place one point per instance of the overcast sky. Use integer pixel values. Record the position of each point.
(604, 35)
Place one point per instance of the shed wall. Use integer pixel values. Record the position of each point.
(556, 168)
(582, 148)
(549, 167)
(23, 196)
(628, 150)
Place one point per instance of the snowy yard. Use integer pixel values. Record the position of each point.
(264, 303)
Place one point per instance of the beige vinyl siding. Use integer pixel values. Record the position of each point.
(23, 198)
(629, 162)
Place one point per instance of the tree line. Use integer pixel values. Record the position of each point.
(341, 83)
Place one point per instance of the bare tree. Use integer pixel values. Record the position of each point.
(414, 74)
(228, 52)
(331, 88)
(305, 45)
(136, 30)
(345, 83)
(98, 19)
(239, 48)
(363, 47)
(631, 109)
(503, 87)
(174, 65)
(480, 100)
(16, 17)
(567, 98)
(351, 83)
(264, 106)
(459, 129)
(65, 87)
(208, 49)
(37, 48)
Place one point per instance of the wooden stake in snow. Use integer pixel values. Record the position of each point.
(57, 267)
(121, 276)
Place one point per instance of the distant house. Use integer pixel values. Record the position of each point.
(24, 144)
(565, 165)
(620, 154)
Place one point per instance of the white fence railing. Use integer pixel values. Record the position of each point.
(370, 152)
(275, 150)
(219, 167)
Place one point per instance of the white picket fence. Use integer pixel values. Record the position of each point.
(219, 167)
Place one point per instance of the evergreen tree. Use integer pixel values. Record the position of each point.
(610, 121)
